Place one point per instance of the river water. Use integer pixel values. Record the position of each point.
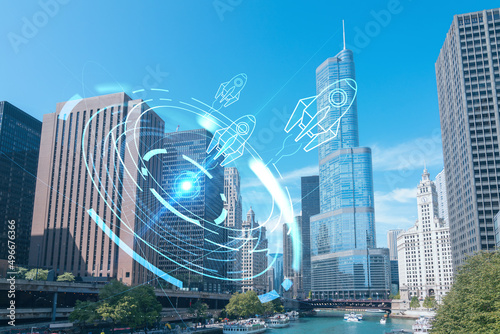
(333, 322)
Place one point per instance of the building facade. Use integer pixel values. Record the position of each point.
(277, 270)
(193, 244)
(254, 256)
(309, 187)
(233, 223)
(345, 262)
(424, 253)
(89, 156)
(392, 243)
(468, 84)
(19, 147)
(440, 183)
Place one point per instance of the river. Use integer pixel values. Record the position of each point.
(333, 322)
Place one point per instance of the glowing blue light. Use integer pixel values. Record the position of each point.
(287, 284)
(186, 185)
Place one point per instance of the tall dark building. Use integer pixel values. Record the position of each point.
(468, 84)
(19, 146)
(310, 207)
(192, 238)
(91, 170)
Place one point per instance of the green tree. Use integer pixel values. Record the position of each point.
(84, 313)
(148, 307)
(244, 305)
(473, 303)
(32, 274)
(274, 306)
(66, 277)
(414, 303)
(21, 272)
(122, 311)
(429, 302)
(199, 309)
(112, 292)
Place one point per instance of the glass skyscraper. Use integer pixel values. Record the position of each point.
(344, 258)
(19, 146)
(468, 84)
(193, 248)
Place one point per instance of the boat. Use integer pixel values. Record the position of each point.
(353, 317)
(422, 325)
(383, 321)
(249, 326)
(278, 321)
(399, 331)
(375, 311)
(293, 315)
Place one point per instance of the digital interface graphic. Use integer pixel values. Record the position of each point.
(228, 145)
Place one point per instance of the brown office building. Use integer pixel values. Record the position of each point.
(93, 160)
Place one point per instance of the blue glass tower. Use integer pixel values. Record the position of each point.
(345, 262)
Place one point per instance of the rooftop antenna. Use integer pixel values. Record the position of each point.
(177, 129)
(343, 29)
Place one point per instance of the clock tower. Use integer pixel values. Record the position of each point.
(427, 200)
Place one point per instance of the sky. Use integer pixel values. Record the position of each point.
(51, 50)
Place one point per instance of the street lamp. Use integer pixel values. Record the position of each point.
(336, 295)
(377, 295)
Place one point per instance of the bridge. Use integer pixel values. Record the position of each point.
(37, 300)
(368, 304)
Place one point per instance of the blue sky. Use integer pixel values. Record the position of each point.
(91, 48)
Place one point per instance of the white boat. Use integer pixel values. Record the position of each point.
(249, 326)
(293, 315)
(383, 321)
(375, 311)
(353, 317)
(278, 321)
(422, 325)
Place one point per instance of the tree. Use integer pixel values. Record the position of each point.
(21, 272)
(113, 292)
(148, 307)
(473, 303)
(274, 306)
(66, 277)
(310, 294)
(414, 303)
(122, 311)
(40, 276)
(199, 309)
(244, 305)
(429, 302)
(84, 313)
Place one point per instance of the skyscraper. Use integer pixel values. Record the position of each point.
(89, 153)
(190, 239)
(19, 146)
(392, 243)
(468, 85)
(424, 255)
(440, 183)
(310, 206)
(344, 260)
(233, 222)
(277, 271)
(254, 255)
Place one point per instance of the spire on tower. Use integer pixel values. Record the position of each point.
(343, 30)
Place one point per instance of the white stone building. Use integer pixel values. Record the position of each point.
(424, 254)
(254, 256)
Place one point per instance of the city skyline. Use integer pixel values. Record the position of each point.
(392, 176)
